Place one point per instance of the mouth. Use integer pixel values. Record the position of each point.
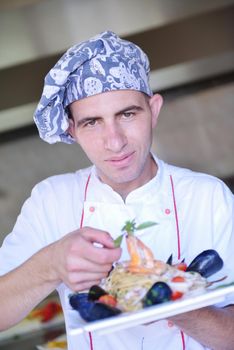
(121, 161)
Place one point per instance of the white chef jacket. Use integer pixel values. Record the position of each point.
(193, 212)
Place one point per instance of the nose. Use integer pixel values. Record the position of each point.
(115, 139)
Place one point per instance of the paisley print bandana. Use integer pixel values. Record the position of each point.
(103, 63)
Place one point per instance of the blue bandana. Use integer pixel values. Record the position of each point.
(103, 63)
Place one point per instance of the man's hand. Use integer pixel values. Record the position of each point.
(74, 260)
(211, 326)
(83, 257)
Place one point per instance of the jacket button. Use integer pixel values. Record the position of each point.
(170, 324)
(167, 211)
(91, 209)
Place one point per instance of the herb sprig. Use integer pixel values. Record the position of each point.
(129, 229)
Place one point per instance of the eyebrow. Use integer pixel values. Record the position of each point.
(85, 120)
(126, 109)
(129, 108)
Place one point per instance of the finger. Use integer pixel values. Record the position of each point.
(98, 236)
(83, 286)
(77, 264)
(104, 255)
(98, 255)
(81, 277)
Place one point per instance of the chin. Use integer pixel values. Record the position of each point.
(124, 179)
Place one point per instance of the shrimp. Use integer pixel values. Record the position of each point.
(142, 259)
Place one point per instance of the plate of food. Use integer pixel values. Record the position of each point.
(143, 289)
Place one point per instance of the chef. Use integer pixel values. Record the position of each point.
(98, 96)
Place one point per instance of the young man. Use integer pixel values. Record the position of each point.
(98, 96)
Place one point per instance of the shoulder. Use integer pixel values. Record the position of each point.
(192, 183)
(188, 176)
(62, 184)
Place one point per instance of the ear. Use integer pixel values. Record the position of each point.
(71, 128)
(155, 102)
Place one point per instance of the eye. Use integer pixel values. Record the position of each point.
(90, 123)
(128, 115)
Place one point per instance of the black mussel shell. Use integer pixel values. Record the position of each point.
(169, 260)
(78, 299)
(99, 311)
(206, 263)
(85, 310)
(157, 294)
(95, 292)
(80, 303)
(90, 310)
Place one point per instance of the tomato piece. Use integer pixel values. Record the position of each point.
(108, 299)
(181, 266)
(178, 279)
(176, 295)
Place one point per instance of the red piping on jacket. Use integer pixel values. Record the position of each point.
(90, 341)
(81, 225)
(85, 195)
(176, 218)
(182, 339)
(178, 242)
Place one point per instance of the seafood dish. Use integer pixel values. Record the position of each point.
(143, 281)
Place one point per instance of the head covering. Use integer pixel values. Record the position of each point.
(103, 63)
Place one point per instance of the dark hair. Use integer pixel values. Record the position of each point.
(68, 111)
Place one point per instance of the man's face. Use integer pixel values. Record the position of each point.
(115, 131)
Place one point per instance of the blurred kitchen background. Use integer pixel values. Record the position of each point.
(190, 44)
